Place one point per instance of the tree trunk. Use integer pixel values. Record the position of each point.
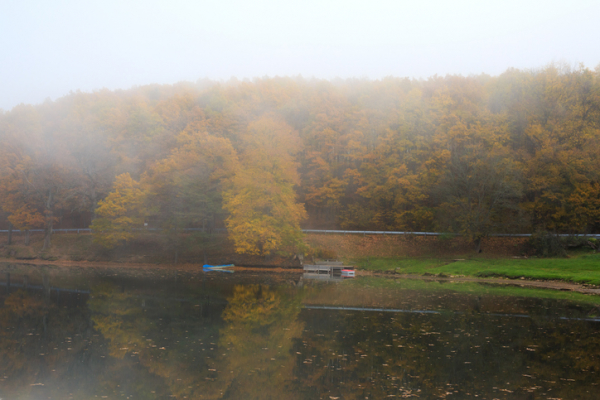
(10, 229)
(48, 232)
(478, 245)
(49, 222)
(27, 237)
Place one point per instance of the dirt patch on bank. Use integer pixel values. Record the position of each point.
(555, 285)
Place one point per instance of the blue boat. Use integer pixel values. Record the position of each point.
(219, 268)
(206, 266)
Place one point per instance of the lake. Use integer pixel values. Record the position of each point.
(157, 334)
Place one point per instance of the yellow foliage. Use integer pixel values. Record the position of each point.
(264, 216)
(120, 213)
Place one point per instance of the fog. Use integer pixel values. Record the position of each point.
(52, 48)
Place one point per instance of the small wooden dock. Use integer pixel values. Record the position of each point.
(325, 268)
(322, 277)
(322, 269)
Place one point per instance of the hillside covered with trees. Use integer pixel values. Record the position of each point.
(519, 152)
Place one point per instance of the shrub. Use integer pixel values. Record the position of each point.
(546, 244)
(445, 237)
(575, 241)
(321, 253)
(593, 242)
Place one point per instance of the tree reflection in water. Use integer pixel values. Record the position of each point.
(249, 355)
(461, 352)
(40, 342)
(262, 323)
(232, 340)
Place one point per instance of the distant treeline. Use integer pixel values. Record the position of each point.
(519, 152)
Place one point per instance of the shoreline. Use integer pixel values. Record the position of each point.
(182, 267)
(188, 267)
(541, 284)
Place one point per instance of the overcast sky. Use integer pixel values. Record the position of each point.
(51, 47)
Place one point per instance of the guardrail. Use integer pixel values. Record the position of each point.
(593, 235)
(78, 230)
(89, 230)
(371, 232)
(332, 231)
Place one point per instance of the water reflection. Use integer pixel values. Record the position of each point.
(159, 334)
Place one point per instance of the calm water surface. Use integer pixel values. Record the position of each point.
(129, 334)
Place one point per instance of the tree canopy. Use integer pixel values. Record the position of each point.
(263, 158)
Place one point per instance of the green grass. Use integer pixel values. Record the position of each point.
(584, 268)
(471, 288)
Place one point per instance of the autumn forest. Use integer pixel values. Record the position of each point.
(475, 155)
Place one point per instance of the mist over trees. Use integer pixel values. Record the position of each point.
(474, 155)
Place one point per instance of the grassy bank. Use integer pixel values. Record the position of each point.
(581, 267)
(398, 254)
(455, 256)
